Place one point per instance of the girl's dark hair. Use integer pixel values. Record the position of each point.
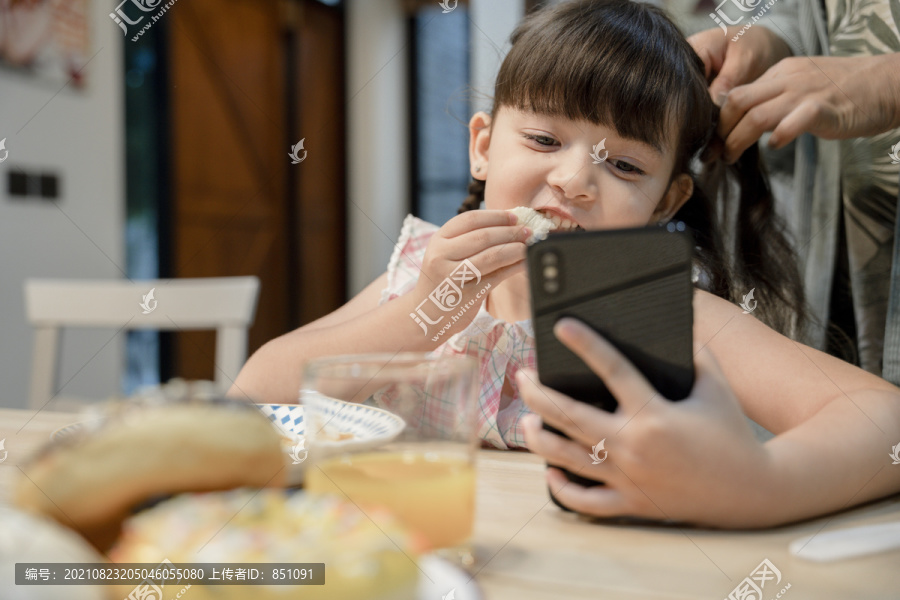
(625, 65)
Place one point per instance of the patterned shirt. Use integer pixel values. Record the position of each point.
(869, 180)
(500, 348)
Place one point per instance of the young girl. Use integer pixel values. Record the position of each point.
(619, 72)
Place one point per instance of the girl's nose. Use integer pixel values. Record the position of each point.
(574, 176)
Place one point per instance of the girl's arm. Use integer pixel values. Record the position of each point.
(490, 240)
(780, 383)
(835, 423)
(272, 374)
(361, 303)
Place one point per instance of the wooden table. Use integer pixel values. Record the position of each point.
(529, 549)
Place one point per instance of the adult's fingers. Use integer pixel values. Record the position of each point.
(710, 46)
(624, 381)
(758, 120)
(742, 100)
(749, 60)
(808, 116)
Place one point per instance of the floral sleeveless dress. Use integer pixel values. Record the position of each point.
(500, 348)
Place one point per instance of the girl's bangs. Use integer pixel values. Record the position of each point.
(600, 66)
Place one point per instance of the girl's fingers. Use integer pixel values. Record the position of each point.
(578, 420)
(596, 501)
(469, 244)
(506, 272)
(563, 453)
(624, 381)
(494, 258)
(476, 219)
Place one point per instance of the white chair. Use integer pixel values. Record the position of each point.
(226, 304)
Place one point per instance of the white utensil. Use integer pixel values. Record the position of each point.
(848, 543)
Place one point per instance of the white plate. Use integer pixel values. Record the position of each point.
(366, 426)
(67, 430)
(73, 428)
(439, 578)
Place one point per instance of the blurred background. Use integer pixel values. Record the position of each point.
(149, 139)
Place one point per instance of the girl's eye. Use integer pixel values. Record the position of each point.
(541, 140)
(627, 167)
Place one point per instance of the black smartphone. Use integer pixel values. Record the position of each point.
(632, 286)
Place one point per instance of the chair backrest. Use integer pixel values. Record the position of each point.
(226, 304)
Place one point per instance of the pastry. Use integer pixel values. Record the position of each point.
(363, 561)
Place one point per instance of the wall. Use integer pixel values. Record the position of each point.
(78, 134)
(493, 22)
(378, 118)
(377, 109)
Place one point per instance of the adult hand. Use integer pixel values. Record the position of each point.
(729, 64)
(829, 97)
(695, 460)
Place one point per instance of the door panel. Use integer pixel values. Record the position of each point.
(239, 207)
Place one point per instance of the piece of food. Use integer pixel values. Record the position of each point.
(539, 224)
(91, 480)
(363, 561)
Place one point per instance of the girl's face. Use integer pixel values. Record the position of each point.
(545, 163)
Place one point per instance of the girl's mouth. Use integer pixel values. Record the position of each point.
(560, 223)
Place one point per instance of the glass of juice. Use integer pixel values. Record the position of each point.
(410, 448)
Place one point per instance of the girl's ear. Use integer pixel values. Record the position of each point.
(680, 190)
(479, 144)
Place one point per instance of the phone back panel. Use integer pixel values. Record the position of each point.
(633, 286)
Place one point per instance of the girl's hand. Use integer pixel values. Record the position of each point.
(694, 460)
(494, 246)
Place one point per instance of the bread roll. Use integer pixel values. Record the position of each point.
(90, 481)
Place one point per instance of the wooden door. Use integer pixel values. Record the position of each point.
(246, 78)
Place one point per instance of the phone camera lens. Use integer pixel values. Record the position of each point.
(549, 258)
(551, 286)
(550, 272)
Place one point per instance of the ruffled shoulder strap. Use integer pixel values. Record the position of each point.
(406, 260)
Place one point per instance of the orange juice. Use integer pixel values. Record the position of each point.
(432, 494)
